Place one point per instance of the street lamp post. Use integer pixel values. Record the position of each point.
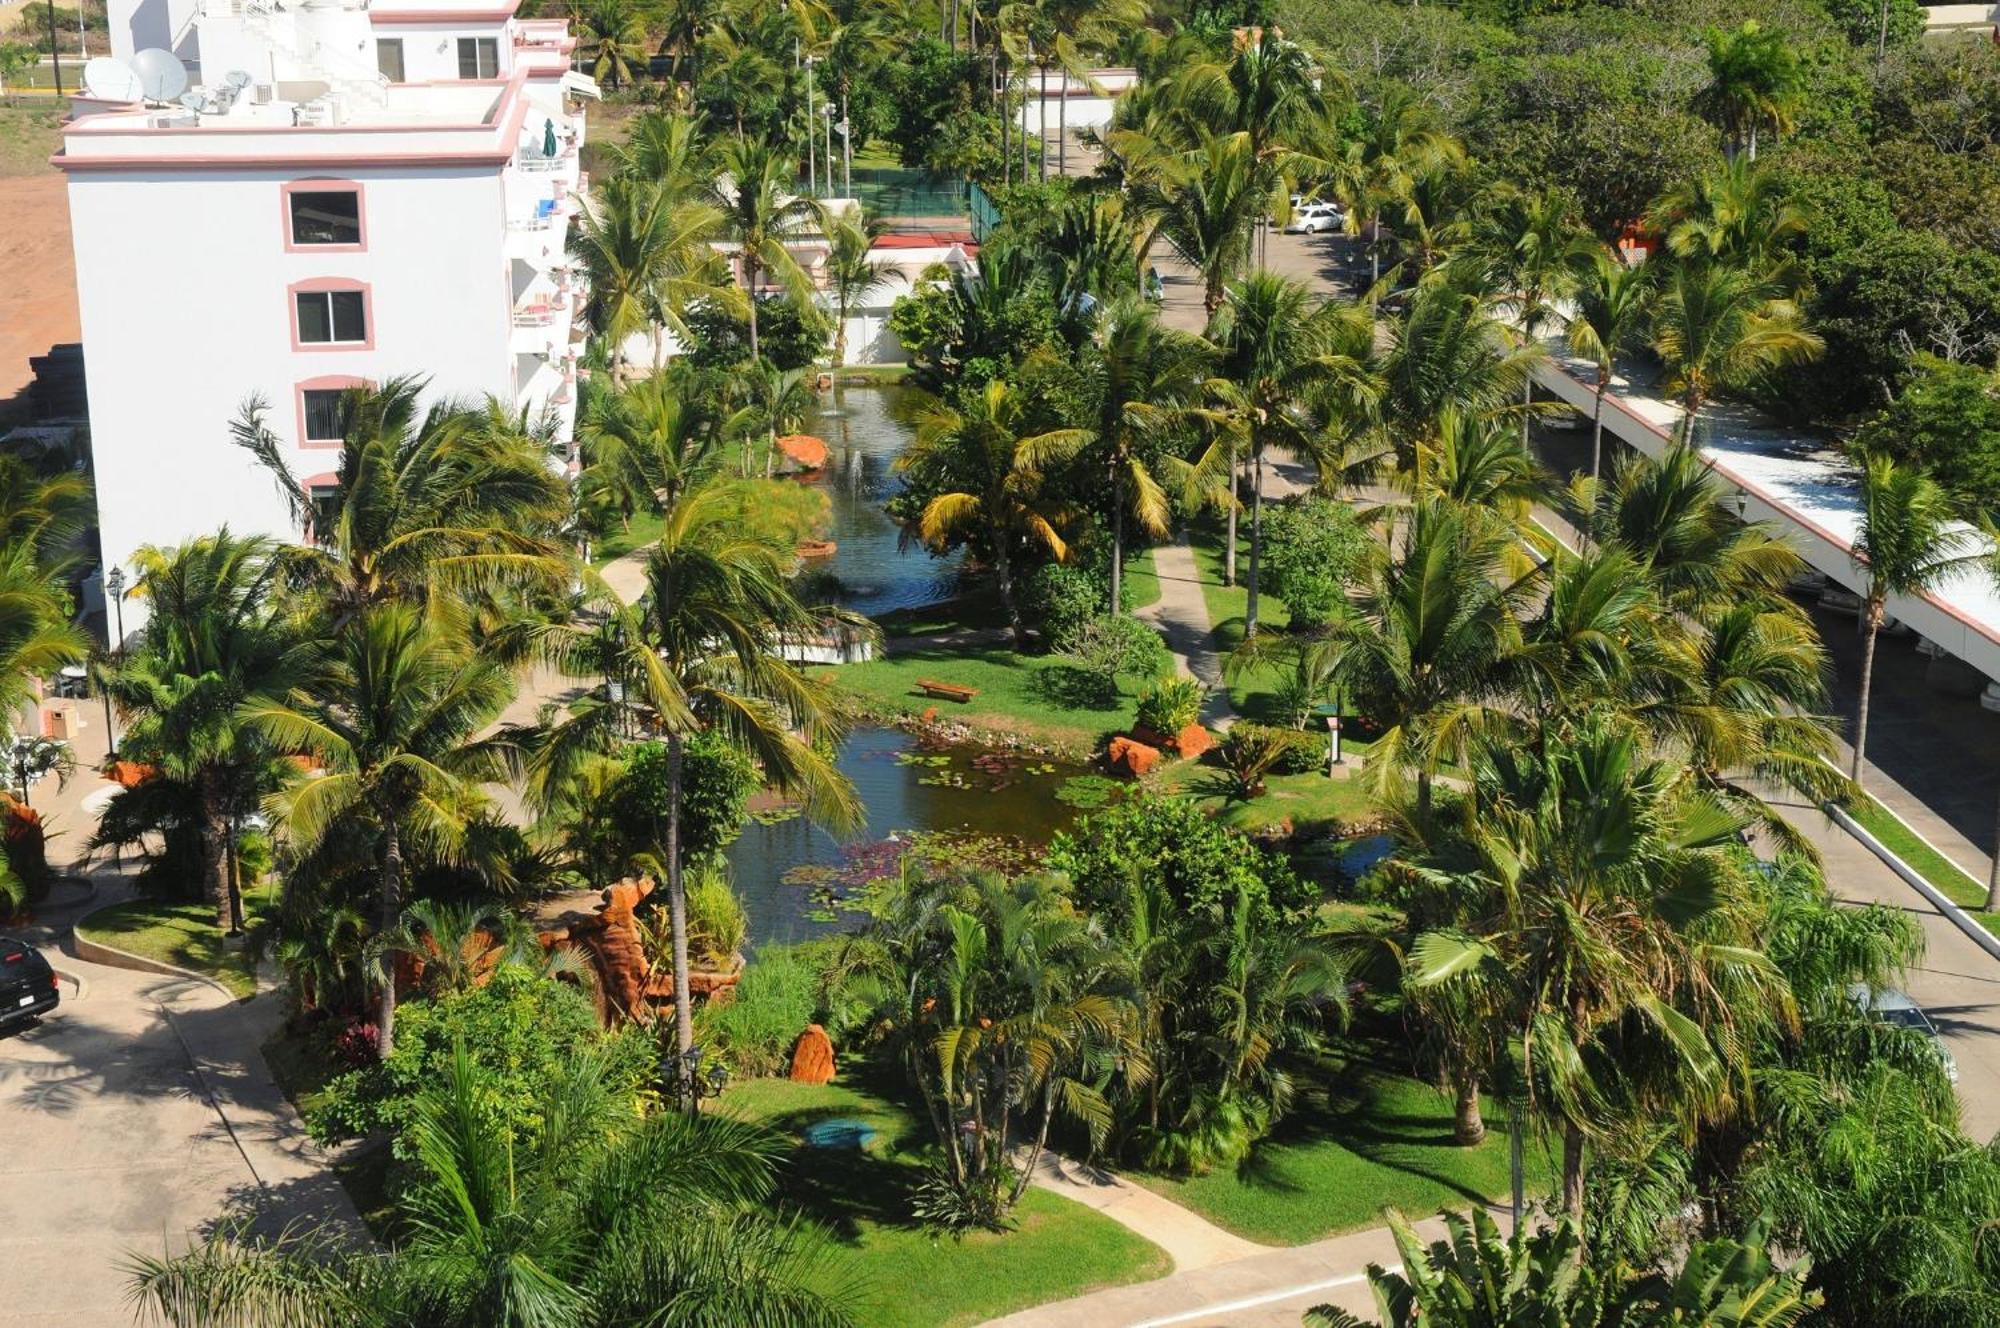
(114, 591)
(55, 51)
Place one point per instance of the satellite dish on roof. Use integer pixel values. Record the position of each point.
(162, 77)
(107, 79)
(238, 79)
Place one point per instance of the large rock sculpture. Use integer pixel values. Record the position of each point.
(812, 1059)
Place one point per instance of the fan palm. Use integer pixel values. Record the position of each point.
(762, 210)
(1612, 303)
(990, 470)
(213, 643)
(1910, 542)
(392, 710)
(423, 501)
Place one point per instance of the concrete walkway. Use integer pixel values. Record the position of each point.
(1192, 1240)
(1267, 1289)
(1181, 616)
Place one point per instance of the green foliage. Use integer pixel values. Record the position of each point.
(1251, 752)
(1170, 844)
(1062, 598)
(520, 1029)
(790, 334)
(1311, 548)
(717, 926)
(717, 780)
(1171, 704)
(1946, 421)
(1105, 650)
(753, 1032)
(940, 121)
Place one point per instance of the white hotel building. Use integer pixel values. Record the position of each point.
(351, 191)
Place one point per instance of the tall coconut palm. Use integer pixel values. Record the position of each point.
(1910, 542)
(1203, 204)
(1283, 360)
(851, 275)
(1399, 143)
(1719, 327)
(1740, 215)
(1612, 303)
(1434, 617)
(990, 470)
(610, 1217)
(392, 710)
(423, 500)
(1149, 377)
(213, 643)
(1447, 353)
(1528, 248)
(46, 509)
(1607, 920)
(651, 443)
(612, 37)
(763, 210)
(648, 247)
(1754, 79)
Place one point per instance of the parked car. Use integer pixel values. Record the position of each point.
(28, 986)
(1312, 218)
(1899, 1011)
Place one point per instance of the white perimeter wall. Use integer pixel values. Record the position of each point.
(181, 285)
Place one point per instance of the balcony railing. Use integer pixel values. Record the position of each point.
(535, 315)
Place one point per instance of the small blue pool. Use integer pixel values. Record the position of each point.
(843, 1132)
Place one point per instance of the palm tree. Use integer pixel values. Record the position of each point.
(1398, 145)
(45, 511)
(996, 468)
(392, 710)
(648, 248)
(1447, 353)
(1754, 79)
(1149, 375)
(212, 644)
(762, 210)
(1283, 360)
(36, 635)
(424, 501)
(851, 277)
(1719, 327)
(1612, 303)
(1203, 203)
(613, 39)
(606, 1217)
(651, 443)
(1605, 918)
(1434, 617)
(1910, 542)
(1740, 215)
(1528, 249)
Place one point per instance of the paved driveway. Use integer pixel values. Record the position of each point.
(129, 1119)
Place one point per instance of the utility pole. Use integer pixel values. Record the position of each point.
(812, 166)
(55, 52)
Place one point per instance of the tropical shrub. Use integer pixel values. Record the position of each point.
(1310, 548)
(1946, 420)
(717, 780)
(1251, 752)
(1106, 649)
(1200, 864)
(1171, 704)
(1063, 598)
(789, 335)
(520, 1028)
(716, 923)
(753, 1032)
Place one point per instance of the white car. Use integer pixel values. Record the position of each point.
(1312, 218)
(1899, 1011)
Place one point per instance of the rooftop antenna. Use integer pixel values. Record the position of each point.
(162, 77)
(106, 79)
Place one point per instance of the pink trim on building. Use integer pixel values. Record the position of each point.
(322, 184)
(379, 17)
(323, 383)
(317, 284)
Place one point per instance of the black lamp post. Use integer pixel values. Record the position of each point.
(55, 51)
(114, 591)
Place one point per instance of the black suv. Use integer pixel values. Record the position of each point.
(28, 986)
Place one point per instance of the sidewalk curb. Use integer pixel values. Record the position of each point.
(1959, 918)
(97, 952)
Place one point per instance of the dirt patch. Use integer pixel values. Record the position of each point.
(35, 254)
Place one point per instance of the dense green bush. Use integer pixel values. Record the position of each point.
(753, 1032)
(519, 1026)
(1310, 548)
(1199, 862)
(716, 783)
(1062, 598)
(789, 335)
(1946, 420)
(1103, 651)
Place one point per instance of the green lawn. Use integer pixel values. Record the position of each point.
(1309, 802)
(30, 131)
(181, 934)
(1025, 695)
(1252, 692)
(1142, 581)
(1955, 883)
(859, 1205)
(643, 529)
(1358, 1140)
(977, 608)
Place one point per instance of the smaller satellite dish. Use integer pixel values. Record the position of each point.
(238, 79)
(107, 79)
(161, 74)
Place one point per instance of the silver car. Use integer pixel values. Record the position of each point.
(1899, 1011)
(1312, 218)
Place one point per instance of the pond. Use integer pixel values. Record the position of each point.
(874, 571)
(786, 869)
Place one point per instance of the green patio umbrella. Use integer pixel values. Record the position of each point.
(548, 138)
